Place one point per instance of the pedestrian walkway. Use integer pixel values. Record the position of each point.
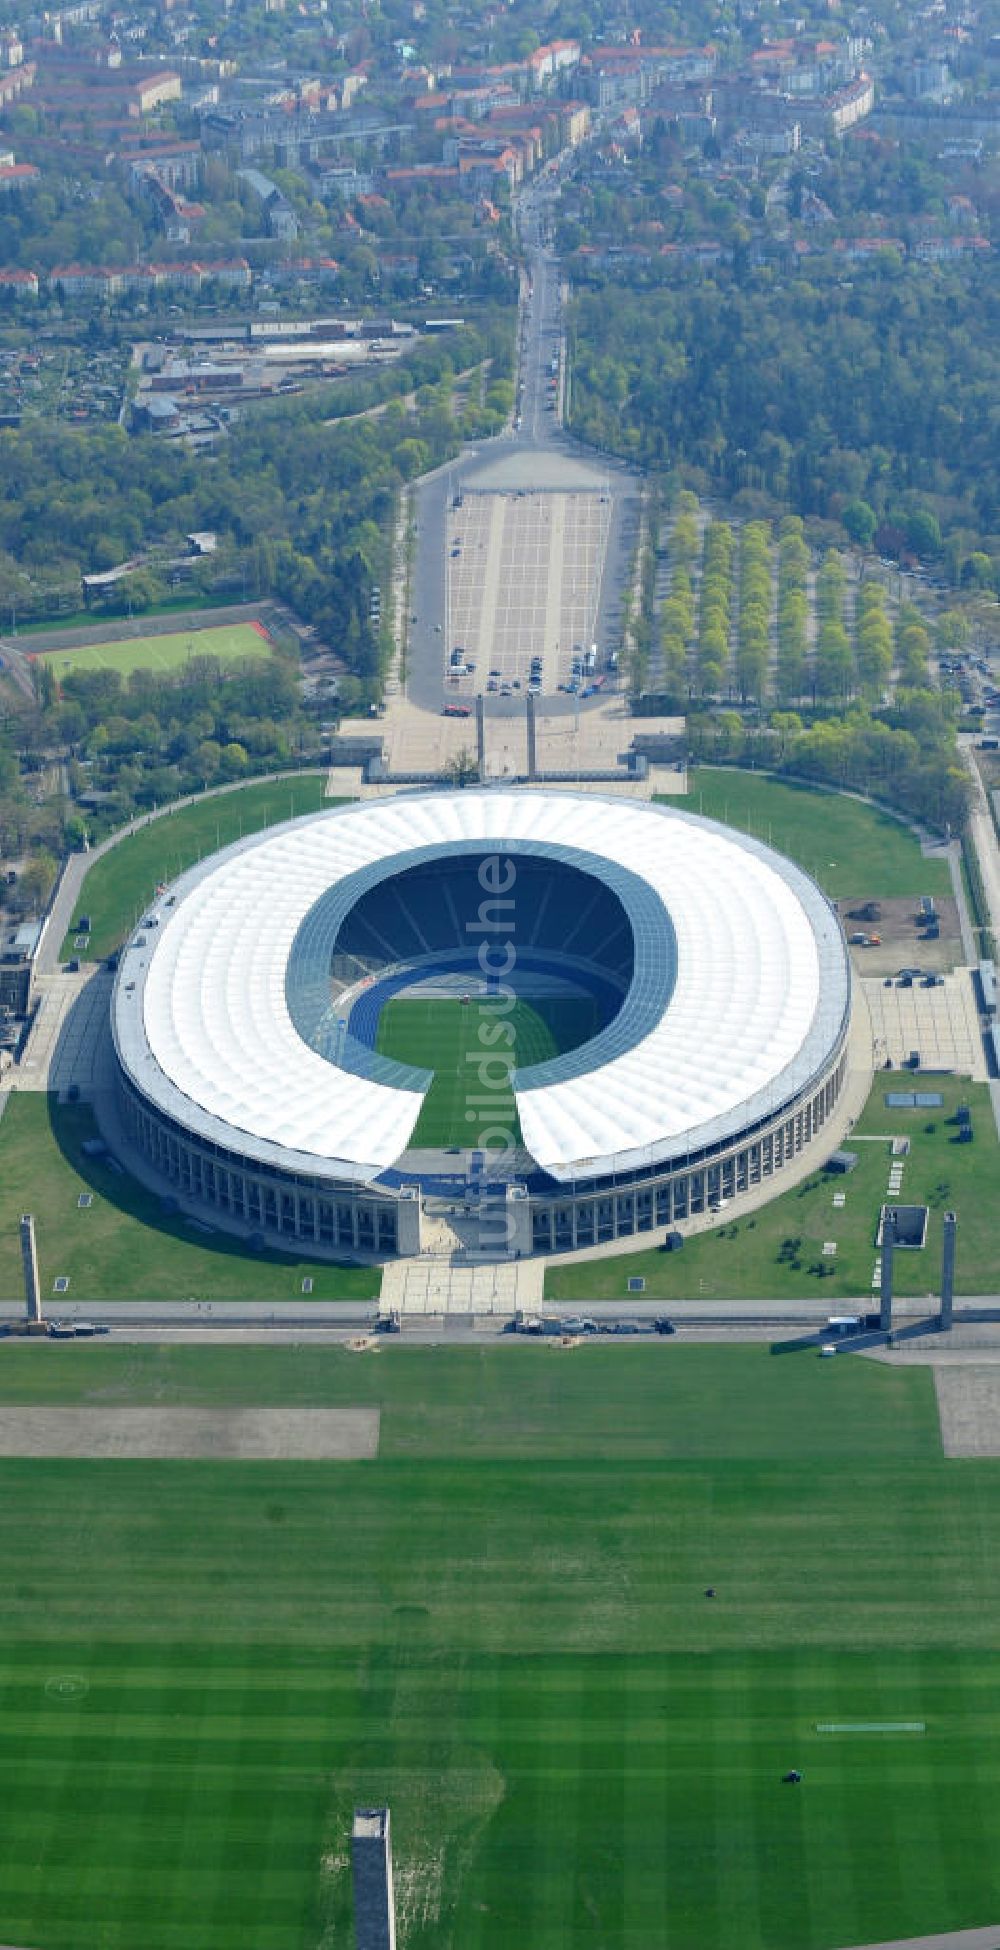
(941, 1024)
(987, 1939)
(60, 1046)
(436, 1285)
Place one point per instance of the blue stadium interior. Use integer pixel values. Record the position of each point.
(440, 907)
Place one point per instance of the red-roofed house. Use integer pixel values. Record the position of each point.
(23, 284)
(18, 176)
(16, 81)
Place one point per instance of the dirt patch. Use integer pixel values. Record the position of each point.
(903, 944)
(239, 1434)
(969, 1408)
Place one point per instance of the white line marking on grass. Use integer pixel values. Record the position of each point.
(871, 1726)
(68, 1686)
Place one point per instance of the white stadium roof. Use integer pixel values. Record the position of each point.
(761, 992)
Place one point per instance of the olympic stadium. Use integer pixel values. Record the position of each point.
(561, 1018)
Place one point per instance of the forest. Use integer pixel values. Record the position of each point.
(301, 501)
(878, 391)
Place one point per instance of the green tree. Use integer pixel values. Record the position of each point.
(860, 520)
(923, 532)
(37, 881)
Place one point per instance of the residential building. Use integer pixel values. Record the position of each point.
(22, 284)
(18, 176)
(152, 92)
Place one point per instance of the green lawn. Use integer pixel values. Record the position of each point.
(747, 1259)
(851, 848)
(499, 1627)
(123, 1247)
(230, 642)
(445, 1036)
(122, 882)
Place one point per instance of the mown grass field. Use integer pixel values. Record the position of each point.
(230, 642)
(445, 1036)
(124, 880)
(123, 1246)
(852, 849)
(750, 1258)
(499, 1628)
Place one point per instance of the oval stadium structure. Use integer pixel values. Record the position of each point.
(561, 1018)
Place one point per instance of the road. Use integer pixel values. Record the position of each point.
(542, 343)
(532, 453)
(329, 1321)
(983, 837)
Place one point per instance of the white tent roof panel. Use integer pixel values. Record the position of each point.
(762, 984)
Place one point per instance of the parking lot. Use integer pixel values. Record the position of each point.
(940, 1023)
(523, 581)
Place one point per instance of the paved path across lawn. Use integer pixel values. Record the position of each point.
(987, 1939)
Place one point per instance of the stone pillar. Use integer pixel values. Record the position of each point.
(408, 1239)
(888, 1242)
(29, 1261)
(481, 737)
(947, 1273)
(519, 1222)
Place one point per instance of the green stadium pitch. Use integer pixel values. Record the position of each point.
(499, 1627)
(443, 1035)
(229, 642)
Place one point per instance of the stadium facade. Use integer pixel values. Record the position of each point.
(246, 1009)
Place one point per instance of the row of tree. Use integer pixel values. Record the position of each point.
(745, 619)
(793, 608)
(753, 648)
(715, 606)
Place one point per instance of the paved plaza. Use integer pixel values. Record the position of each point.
(524, 580)
(940, 1023)
(434, 1285)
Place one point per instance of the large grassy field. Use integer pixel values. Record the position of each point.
(776, 1253)
(851, 848)
(230, 642)
(499, 1628)
(444, 1036)
(123, 1246)
(122, 882)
